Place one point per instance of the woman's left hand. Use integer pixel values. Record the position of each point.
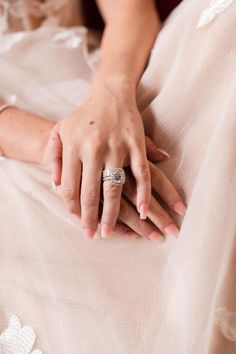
(105, 132)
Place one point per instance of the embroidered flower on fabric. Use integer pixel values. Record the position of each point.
(215, 7)
(227, 322)
(16, 339)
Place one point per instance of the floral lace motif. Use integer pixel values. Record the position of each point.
(215, 7)
(36, 8)
(226, 320)
(16, 339)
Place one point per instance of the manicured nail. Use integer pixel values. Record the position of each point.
(163, 152)
(53, 183)
(156, 236)
(106, 230)
(180, 208)
(88, 234)
(143, 211)
(172, 230)
(130, 234)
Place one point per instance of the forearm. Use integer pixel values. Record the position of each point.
(131, 28)
(23, 136)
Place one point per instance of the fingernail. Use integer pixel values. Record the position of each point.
(180, 208)
(53, 183)
(172, 230)
(106, 230)
(88, 234)
(163, 152)
(143, 211)
(156, 236)
(131, 234)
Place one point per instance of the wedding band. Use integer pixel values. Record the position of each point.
(115, 175)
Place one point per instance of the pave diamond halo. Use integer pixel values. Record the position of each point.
(115, 175)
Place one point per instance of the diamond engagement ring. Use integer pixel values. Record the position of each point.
(115, 175)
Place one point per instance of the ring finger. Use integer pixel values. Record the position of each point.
(112, 196)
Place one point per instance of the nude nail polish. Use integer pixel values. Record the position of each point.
(88, 233)
(172, 230)
(163, 152)
(156, 236)
(143, 211)
(106, 230)
(180, 208)
(129, 234)
(53, 184)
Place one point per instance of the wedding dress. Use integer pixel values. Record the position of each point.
(61, 293)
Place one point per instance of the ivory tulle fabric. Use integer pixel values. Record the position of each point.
(122, 296)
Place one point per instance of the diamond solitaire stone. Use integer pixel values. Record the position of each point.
(115, 175)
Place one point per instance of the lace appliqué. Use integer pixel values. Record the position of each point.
(16, 339)
(215, 7)
(227, 322)
(36, 8)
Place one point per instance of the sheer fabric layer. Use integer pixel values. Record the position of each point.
(123, 296)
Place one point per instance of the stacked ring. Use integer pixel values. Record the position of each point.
(115, 175)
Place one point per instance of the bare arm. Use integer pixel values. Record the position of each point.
(131, 28)
(23, 136)
(108, 127)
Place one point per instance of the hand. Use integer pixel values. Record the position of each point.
(160, 222)
(129, 223)
(106, 131)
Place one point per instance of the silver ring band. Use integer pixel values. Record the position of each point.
(115, 175)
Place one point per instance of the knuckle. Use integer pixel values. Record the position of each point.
(95, 141)
(90, 222)
(135, 139)
(111, 191)
(71, 151)
(144, 171)
(68, 194)
(95, 147)
(117, 144)
(73, 207)
(89, 197)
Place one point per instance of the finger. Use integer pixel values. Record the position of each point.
(111, 200)
(53, 156)
(155, 154)
(169, 194)
(130, 217)
(141, 172)
(156, 213)
(120, 228)
(70, 181)
(123, 230)
(90, 195)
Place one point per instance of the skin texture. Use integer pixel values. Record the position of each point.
(45, 149)
(108, 127)
(105, 131)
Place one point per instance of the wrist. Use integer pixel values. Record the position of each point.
(115, 83)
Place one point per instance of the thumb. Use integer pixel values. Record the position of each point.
(154, 154)
(53, 156)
